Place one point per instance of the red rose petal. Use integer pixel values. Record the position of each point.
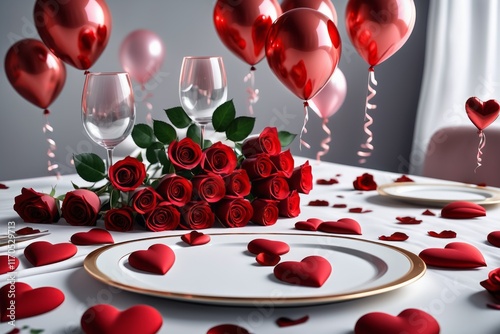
(428, 213)
(266, 259)
(312, 271)
(3, 186)
(494, 238)
(195, 238)
(27, 231)
(446, 234)
(327, 182)
(227, 329)
(493, 306)
(454, 255)
(408, 220)
(462, 210)
(403, 178)
(339, 206)
(340, 196)
(275, 247)
(358, 210)
(286, 322)
(396, 236)
(318, 202)
(482, 184)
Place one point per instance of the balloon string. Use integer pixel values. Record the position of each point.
(482, 144)
(324, 142)
(367, 147)
(47, 129)
(253, 94)
(149, 105)
(304, 130)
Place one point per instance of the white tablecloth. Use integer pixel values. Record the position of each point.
(454, 297)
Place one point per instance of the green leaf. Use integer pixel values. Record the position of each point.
(168, 168)
(114, 196)
(178, 117)
(206, 143)
(90, 167)
(152, 152)
(164, 132)
(162, 157)
(75, 186)
(143, 135)
(194, 132)
(52, 192)
(240, 128)
(223, 116)
(139, 157)
(286, 138)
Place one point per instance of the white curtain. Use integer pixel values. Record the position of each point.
(462, 60)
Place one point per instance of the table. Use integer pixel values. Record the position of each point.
(454, 297)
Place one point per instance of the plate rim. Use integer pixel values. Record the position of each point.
(416, 271)
(494, 199)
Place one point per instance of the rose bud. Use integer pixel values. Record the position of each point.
(127, 174)
(80, 207)
(492, 284)
(258, 166)
(290, 206)
(119, 219)
(184, 154)
(197, 215)
(219, 159)
(301, 179)
(233, 212)
(175, 189)
(144, 200)
(274, 187)
(35, 207)
(238, 183)
(284, 162)
(164, 217)
(265, 212)
(267, 142)
(209, 187)
(365, 182)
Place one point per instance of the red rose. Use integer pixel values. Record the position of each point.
(119, 219)
(492, 284)
(365, 182)
(273, 187)
(184, 154)
(219, 158)
(258, 166)
(267, 142)
(164, 217)
(233, 212)
(80, 207)
(265, 212)
(210, 187)
(127, 174)
(237, 183)
(144, 200)
(197, 215)
(35, 207)
(290, 206)
(301, 179)
(284, 162)
(175, 189)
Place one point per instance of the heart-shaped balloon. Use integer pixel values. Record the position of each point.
(103, 318)
(341, 226)
(312, 271)
(482, 114)
(409, 321)
(454, 255)
(274, 247)
(8, 263)
(95, 236)
(157, 259)
(76, 31)
(41, 253)
(34, 72)
(28, 301)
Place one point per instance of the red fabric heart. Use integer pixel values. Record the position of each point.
(312, 271)
(195, 238)
(482, 113)
(95, 236)
(287, 322)
(41, 253)
(227, 329)
(454, 255)
(309, 225)
(409, 321)
(462, 210)
(494, 238)
(446, 234)
(27, 231)
(103, 318)
(274, 247)
(265, 259)
(341, 226)
(396, 236)
(28, 301)
(8, 265)
(157, 259)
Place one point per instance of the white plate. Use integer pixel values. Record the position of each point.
(224, 272)
(439, 194)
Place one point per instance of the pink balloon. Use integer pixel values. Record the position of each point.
(331, 97)
(141, 55)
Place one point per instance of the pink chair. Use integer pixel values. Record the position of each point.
(451, 155)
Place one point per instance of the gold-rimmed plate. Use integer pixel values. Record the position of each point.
(436, 194)
(223, 272)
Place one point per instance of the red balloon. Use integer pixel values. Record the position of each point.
(324, 6)
(379, 28)
(34, 72)
(243, 25)
(303, 49)
(76, 31)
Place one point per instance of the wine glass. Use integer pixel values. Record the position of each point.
(108, 109)
(202, 88)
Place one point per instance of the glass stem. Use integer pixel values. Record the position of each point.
(202, 135)
(109, 158)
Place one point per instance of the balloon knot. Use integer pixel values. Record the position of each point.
(306, 104)
(252, 68)
(371, 69)
(86, 72)
(46, 112)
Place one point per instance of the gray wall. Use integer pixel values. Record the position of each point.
(186, 28)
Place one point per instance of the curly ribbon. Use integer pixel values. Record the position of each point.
(304, 130)
(368, 146)
(47, 130)
(324, 143)
(482, 144)
(253, 94)
(149, 105)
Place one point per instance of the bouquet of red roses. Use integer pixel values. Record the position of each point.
(200, 184)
